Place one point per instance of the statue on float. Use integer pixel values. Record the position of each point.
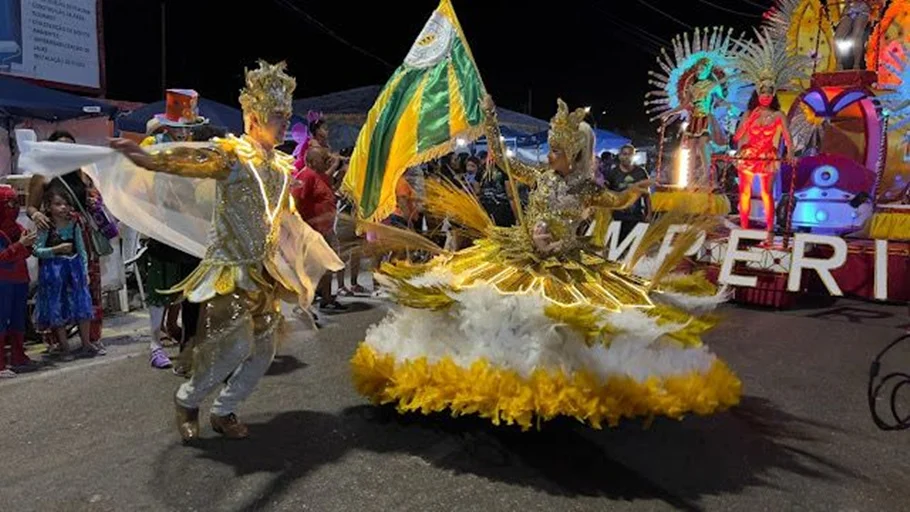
(851, 33)
(697, 84)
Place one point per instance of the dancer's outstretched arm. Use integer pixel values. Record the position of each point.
(517, 169)
(189, 162)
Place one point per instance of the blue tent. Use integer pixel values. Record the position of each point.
(22, 99)
(347, 110)
(609, 141)
(218, 115)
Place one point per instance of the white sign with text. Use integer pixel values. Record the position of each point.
(51, 40)
(797, 260)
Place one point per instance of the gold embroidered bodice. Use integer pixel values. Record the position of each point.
(252, 191)
(564, 204)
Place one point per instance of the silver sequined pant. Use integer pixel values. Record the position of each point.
(240, 339)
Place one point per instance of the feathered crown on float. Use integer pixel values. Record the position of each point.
(269, 90)
(766, 62)
(565, 131)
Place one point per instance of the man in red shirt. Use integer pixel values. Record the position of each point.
(15, 248)
(314, 197)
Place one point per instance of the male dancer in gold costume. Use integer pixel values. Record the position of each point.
(242, 275)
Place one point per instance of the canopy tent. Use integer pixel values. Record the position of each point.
(24, 100)
(347, 110)
(218, 114)
(609, 141)
(26, 105)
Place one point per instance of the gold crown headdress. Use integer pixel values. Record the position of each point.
(564, 129)
(269, 90)
(766, 62)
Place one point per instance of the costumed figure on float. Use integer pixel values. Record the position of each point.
(696, 84)
(531, 323)
(235, 190)
(766, 64)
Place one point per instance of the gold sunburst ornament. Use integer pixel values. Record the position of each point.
(564, 129)
(269, 90)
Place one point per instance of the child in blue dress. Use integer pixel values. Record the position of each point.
(63, 289)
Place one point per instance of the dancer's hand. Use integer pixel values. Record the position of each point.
(642, 187)
(134, 152)
(488, 103)
(543, 240)
(28, 239)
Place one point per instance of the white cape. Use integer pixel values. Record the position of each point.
(176, 210)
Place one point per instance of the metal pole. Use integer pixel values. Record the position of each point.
(791, 204)
(163, 48)
(882, 156)
(660, 152)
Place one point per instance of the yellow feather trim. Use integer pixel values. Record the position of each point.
(584, 320)
(504, 397)
(446, 199)
(696, 284)
(693, 326)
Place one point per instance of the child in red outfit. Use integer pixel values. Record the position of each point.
(15, 248)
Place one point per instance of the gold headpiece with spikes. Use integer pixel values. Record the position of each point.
(269, 90)
(564, 129)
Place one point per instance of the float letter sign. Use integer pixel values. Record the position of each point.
(881, 269)
(627, 246)
(667, 243)
(734, 254)
(823, 267)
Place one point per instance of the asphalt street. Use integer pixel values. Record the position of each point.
(98, 435)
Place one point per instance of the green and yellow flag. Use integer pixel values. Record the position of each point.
(432, 99)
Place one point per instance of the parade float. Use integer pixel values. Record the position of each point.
(841, 223)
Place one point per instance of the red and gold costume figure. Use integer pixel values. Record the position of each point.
(765, 64)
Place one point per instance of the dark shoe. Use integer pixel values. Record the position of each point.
(333, 306)
(229, 426)
(187, 422)
(181, 371)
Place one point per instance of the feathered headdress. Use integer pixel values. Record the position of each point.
(564, 129)
(269, 90)
(896, 103)
(779, 18)
(766, 62)
(713, 45)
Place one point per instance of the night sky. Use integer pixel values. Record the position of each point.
(588, 52)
